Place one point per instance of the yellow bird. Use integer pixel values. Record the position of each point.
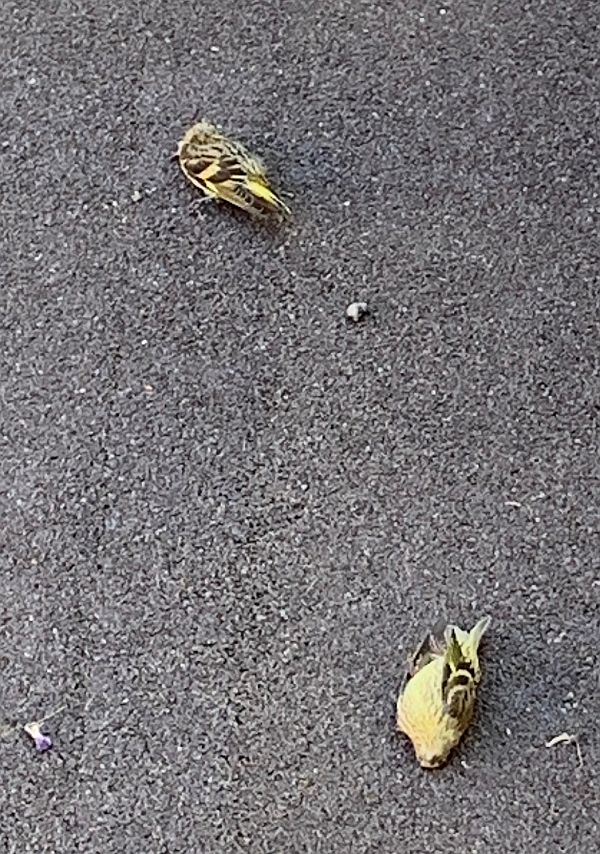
(436, 704)
(225, 170)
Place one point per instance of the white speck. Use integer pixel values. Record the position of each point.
(32, 81)
(136, 196)
(346, 204)
(508, 731)
(356, 310)
(558, 739)
(214, 48)
(443, 11)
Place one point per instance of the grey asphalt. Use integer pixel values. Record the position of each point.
(227, 513)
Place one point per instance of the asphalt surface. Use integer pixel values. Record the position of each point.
(228, 513)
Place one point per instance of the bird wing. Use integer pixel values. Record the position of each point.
(432, 646)
(211, 165)
(459, 677)
(239, 195)
(469, 642)
(223, 176)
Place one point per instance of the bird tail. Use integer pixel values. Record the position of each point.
(263, 192)
(469, 641)
(478, 631)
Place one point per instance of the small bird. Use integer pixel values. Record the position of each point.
(225, 170)
(437, 701)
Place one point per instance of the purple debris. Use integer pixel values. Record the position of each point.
(42, 742)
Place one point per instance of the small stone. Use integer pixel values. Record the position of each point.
(356, 311)
(136, 196)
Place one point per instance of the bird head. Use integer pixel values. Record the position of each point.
(433, 752)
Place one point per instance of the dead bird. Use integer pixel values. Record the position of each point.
(225, 170)
(436, 704)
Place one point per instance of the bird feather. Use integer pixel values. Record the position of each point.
(224, 169)
(437, 701)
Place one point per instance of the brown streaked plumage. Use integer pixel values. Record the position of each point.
(225, 170)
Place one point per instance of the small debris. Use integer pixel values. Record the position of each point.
(33, 729)
(565, 738)
(356, 311)
(136, 196)
(42, 742)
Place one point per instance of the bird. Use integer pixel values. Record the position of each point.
(225, 170)
(437, 700)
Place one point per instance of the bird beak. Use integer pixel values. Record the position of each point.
(430, 762)
(430, 766)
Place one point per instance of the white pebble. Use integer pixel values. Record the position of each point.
(356, 310)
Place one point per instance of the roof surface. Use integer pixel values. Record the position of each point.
(228, 513)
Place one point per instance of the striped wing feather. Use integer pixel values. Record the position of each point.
(226, 170)
(458, 682)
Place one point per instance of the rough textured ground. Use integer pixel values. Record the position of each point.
(227, 513)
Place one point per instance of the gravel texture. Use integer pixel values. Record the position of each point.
(226, 513)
